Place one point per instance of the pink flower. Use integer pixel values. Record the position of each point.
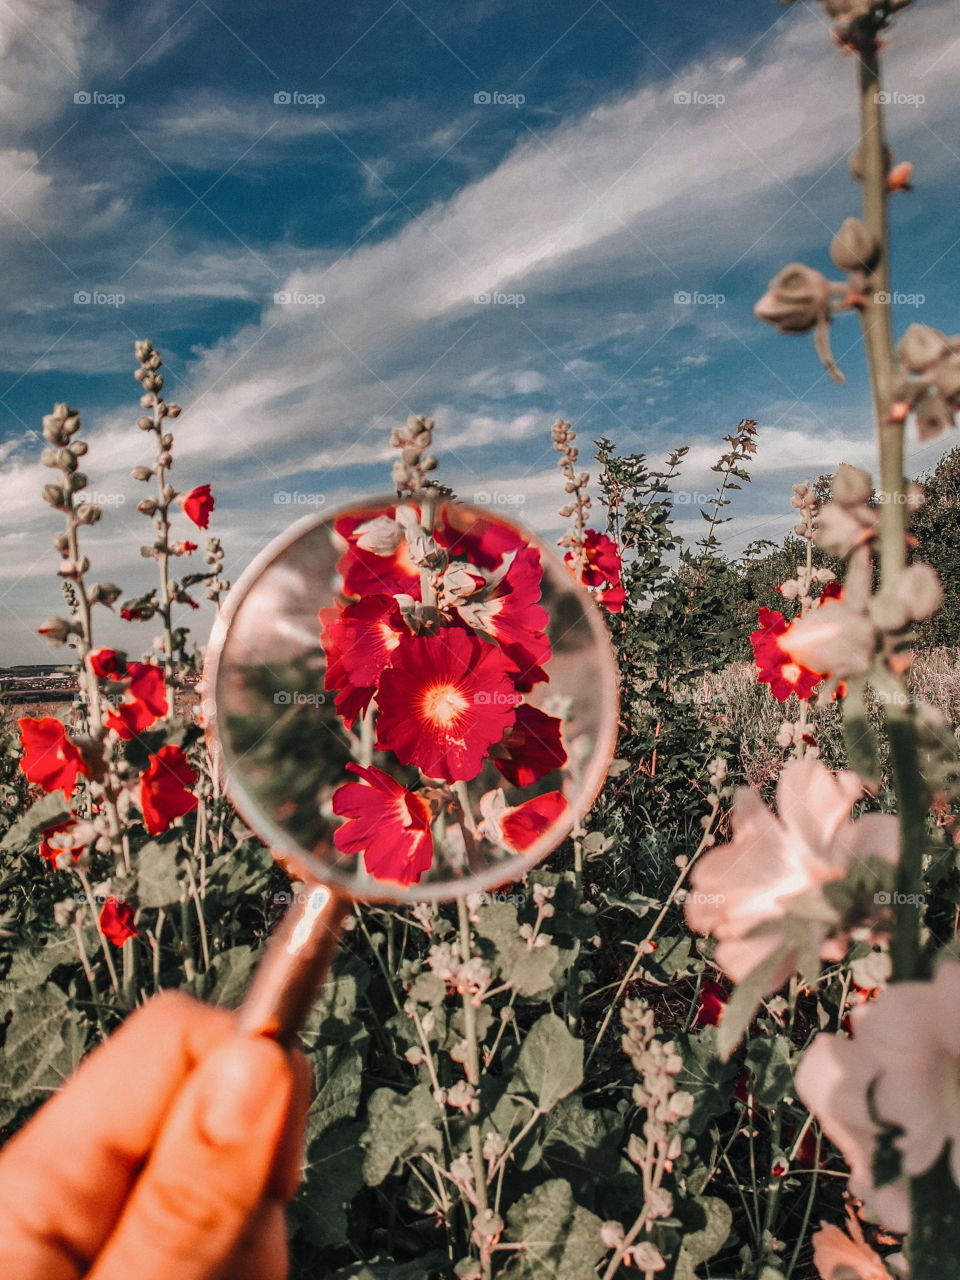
(761, 895)
(198, 505)
(900, 1068)
(838, 1257)
(444, 700)
(144, 703)
(531, 748)
(387, 823)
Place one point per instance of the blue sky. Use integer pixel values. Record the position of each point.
(400, 160)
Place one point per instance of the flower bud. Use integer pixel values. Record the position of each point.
(65, 460)
(850, 486)
(933, 415)
(174, 411)
(105, 593)
(61, 542)
(148, 401)
(65, 912)
(56, 630)
(147, 506)
(165, 459)
(166, 441)
(88, 513)
(921, 589)
(78, 448)
(796, 298)
(169, 493)
(53, 430)
(921, 347)
(854, 248)
(76, 482)
(141, 473)
(145, 424)
(71, 424)
(49, 457)
(54, 494)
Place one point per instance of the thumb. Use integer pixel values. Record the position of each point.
(210, 1169)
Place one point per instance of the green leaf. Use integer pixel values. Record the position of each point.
(44, 1043)
(398, 1125)
(387, 1269)
(745, 1001)
(550, 1063)
(770, 1060)
(559, 1237)
(701, 1245)
(531, 971)
(333, 1177)
(337, 1073)
(46, 812)
(157, 881)
(231, 972)
(709, 1079)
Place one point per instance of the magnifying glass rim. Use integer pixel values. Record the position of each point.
(279, 842)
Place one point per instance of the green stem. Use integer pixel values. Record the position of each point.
(472, 1068)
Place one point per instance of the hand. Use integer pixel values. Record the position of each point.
(169, 1156)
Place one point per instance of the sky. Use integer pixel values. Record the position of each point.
(327, 217)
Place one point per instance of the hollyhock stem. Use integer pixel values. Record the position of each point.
(472, 1068)
(104, 944)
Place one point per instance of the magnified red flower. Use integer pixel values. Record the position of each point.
(365, 635)
(198, 505)
(476, 539)
(109, 664)
(444, 700)
(50, 759)
(367, 572)
(774, 665)
(387, 823)
(165, 789)
(526, 823)
(144, 703)
(116, 921)
(512, 614)
(532, 747)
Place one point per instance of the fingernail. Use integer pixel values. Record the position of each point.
(242, 1080)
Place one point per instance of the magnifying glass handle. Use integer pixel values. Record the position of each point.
(297, 960)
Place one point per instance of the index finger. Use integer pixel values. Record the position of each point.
(64, 1178)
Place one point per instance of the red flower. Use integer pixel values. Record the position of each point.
(198, 505)
(144, 703)
(523, 825)
(713, 1001)
(51, 849)
(49, 757)
(775, 667)
(387, 823)
(512, 615)
(476, 539)
(533, 747)
(182, 548)
(367, 573)
(109, 664)
(165, 789)
(116, 921)
(602, 567)
(444, 701)
(363, 637)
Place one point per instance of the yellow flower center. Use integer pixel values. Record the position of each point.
(791, 672)
(443, 704)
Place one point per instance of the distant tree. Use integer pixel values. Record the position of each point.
(937, 529)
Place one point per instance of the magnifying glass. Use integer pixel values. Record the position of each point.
(408, 700)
